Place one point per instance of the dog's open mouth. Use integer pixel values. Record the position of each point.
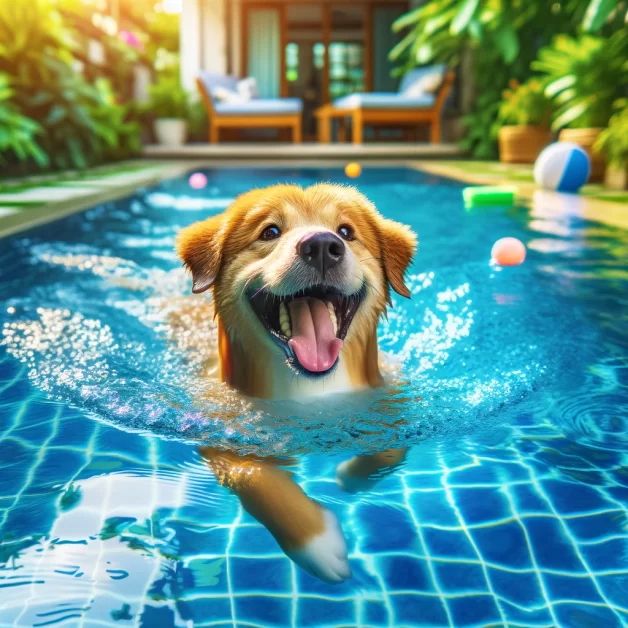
(310, 325)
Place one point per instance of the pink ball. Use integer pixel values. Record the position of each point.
(197, 181)
(509, 252)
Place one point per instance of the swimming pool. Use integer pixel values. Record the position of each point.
(511, 508)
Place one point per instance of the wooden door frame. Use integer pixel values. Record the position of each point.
(326, 9)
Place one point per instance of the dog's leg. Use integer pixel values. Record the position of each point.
(361, 473)
(307, 532)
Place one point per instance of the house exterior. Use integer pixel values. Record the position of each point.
(311, 49)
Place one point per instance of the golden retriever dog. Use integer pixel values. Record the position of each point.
(300, 278)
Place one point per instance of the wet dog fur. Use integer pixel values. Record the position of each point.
(252, 258)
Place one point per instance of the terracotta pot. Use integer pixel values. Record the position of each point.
(522, 144)
(616, 177)
(586, 138)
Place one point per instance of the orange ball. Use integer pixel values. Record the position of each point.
(509, 252)
(353, 170)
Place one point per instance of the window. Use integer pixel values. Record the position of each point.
(292, 62)
(346, 68)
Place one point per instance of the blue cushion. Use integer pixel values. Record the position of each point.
(257, 106)
(384, 101)
(418, 73)
(211, 81)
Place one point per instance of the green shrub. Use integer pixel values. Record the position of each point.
(80, 125)
(18, 134)
(613, 141)
(502, 38)
(167, 99)
(525, 104)
(584, 76)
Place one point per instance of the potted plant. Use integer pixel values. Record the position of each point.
(168, 104)
(524, 115)
(585, 75)
(613, 144)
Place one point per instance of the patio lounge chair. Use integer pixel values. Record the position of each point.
(253, 113)
(409, 107)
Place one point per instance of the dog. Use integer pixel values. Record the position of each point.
(300, 278)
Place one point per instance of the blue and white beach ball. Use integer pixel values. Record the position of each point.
(563, 167)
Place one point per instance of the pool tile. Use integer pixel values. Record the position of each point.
(611, 554)
(262, 609)
(418, 611)
(504, 544)
(533, 617)
(569, 497)
(481, 505)
(596, 526)
(405, 573)
(399, 533)
(449, 544)
(432, 507)
(207, 610)
(153, 616)
(552, 548)
(526, 499)
(375, 613)
(521, 588)
(320, 612)
(563, 587)
(574, 614)
(458, 577)
(271, 575)
(474, 610)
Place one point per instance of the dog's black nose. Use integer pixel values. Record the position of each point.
(321, 250)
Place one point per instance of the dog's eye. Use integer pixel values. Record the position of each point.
(270, 233)
(346, 233)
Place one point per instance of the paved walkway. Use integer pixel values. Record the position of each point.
(32, 201)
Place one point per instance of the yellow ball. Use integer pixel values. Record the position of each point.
(353, 170)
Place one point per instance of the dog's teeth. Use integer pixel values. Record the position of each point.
(283, 310)
(332, 315)
(285, 328)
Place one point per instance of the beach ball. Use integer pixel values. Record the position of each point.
(563, 167)
(197, 181)
(509, 252)
(353, 170)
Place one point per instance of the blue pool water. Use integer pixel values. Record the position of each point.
(510, 509)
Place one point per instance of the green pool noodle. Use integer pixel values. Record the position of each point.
(479, 196)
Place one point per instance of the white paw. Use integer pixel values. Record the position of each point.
(325, 556)
(353, 483)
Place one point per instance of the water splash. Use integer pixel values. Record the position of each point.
(125, 344)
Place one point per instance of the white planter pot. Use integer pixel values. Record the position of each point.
(171, 131)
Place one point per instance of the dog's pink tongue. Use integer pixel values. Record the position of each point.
(313, 338)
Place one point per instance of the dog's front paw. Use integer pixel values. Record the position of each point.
(325, 556)
(352, 483)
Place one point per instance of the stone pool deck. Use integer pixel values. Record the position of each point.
(31, 201)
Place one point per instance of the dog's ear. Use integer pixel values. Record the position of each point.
(398, 244)
(200, 248)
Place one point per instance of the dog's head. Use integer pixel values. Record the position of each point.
(299, 270)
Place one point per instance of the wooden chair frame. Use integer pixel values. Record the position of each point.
(219, 121)
(390, 116)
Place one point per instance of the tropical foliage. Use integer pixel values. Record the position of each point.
(585, 75)
(613, 141)
(77, 124)
(503, 38)
(525, 104)
(18, 134)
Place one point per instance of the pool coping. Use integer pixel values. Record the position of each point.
(607, 212)
(610, 213)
